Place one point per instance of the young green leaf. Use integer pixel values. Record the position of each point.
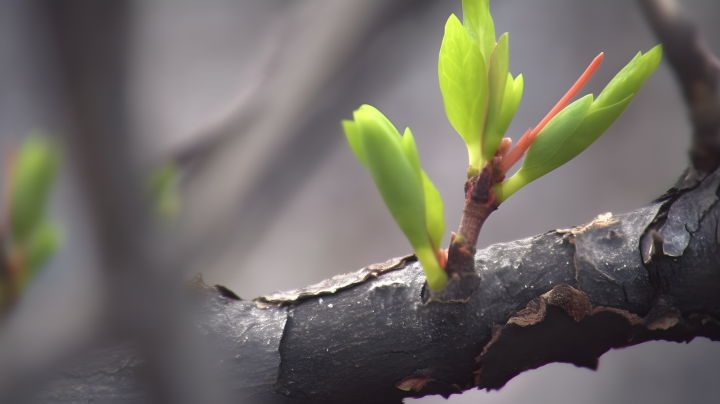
(555, 145)
(393, 174)
(592, 127)
(33, 173)
(464, 86)
(479, 25)
(394, 165)
(410, 149)
(511, 101)
(497, 81)
(550, 142)
(547, 152)
(434, 215)
(434, 212)
(630, 78)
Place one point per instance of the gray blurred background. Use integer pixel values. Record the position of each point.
(275, 77)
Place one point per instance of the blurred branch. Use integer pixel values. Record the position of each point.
(144, 302)
(697, 70)
(279, 129)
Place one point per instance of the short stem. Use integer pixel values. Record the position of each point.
(479, 203)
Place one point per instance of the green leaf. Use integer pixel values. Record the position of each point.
(393, 164)
(511, 101)
(589, 130)
(32, 177)
(463, 83)
(547, 152)
(410, 149)
(434, 215)
(497, 81)
(393, 174)
(479, 25)
(434, 212)
(547, 148)
(593, 126)
(629, 79)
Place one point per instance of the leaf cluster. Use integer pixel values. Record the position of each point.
(481, 97)
(33, 237)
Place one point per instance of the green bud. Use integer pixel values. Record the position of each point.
(32, 177)
(511, 101)
(394, 165)
(163, 186)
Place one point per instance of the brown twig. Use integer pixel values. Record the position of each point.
(479, 204)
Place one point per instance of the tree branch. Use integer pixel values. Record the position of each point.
(566, 295)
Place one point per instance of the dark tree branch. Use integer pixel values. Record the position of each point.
(566, 295)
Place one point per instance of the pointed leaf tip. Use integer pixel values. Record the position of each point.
(629, 80)
(497, 83)
(462, 75)
(479, 25)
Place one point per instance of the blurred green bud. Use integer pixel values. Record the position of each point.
(32, 176)
(163, 185)
(394, 165)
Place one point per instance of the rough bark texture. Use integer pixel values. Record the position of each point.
(563, 296)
